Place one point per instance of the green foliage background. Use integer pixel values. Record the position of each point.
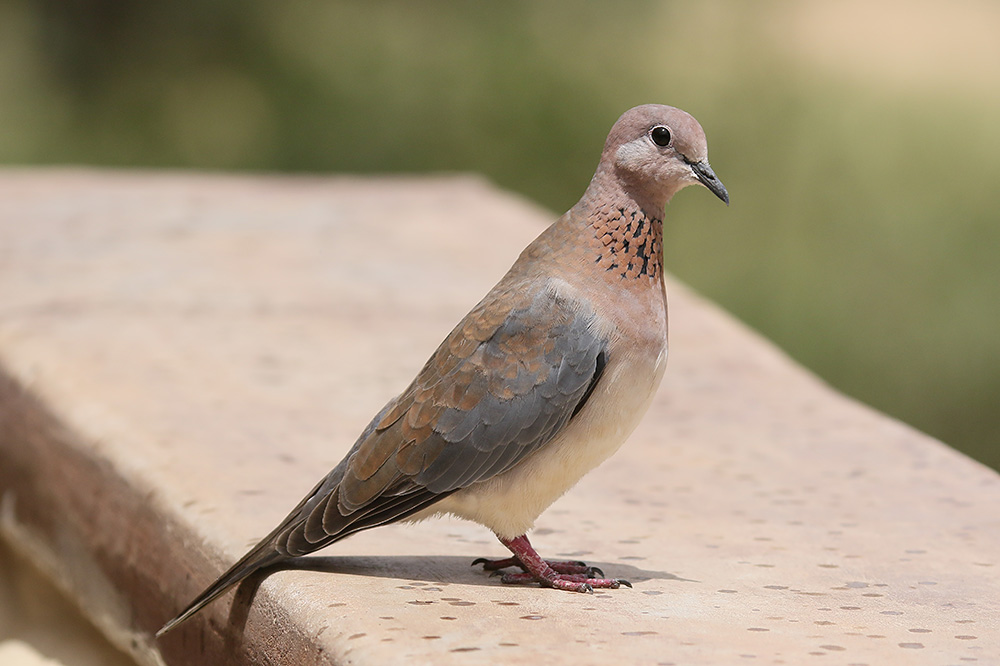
(860, 147)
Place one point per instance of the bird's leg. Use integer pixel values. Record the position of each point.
(564, 575)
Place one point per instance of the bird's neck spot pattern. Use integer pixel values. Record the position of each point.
(631, 243)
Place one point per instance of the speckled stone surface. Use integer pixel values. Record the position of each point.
(183, 356)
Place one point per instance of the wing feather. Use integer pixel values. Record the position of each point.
(504, 383)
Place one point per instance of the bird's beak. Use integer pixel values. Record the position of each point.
(703, 172)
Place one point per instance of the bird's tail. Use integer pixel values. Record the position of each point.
(262, 555)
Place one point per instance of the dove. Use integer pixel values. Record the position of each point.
(541, 382)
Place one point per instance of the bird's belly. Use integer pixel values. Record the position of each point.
(510, 502)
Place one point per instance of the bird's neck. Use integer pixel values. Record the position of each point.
(628, 240)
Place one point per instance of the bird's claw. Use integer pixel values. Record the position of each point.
(569, 575)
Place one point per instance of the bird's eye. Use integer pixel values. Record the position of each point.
(660, 135)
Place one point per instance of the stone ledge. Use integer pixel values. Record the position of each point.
(182, 356)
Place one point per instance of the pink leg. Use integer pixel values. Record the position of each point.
(573, 576)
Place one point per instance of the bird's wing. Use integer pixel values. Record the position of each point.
(507, 379)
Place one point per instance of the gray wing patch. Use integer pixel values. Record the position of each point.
(550, 388)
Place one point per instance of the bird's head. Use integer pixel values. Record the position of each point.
(654, 151)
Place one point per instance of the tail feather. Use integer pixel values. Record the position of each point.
(263, 555)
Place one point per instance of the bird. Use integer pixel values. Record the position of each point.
(538, 384)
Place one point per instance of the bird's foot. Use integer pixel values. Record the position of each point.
(569, 575)
(559, 566)
(571, 582)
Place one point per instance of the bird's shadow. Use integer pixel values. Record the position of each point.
(443, 569)
(438, 569)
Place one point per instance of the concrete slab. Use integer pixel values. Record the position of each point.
(183, 355)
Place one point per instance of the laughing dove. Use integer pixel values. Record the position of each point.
(537, 385)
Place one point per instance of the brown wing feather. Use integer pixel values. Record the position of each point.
(501, 385)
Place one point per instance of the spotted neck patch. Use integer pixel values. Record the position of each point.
(632, 244)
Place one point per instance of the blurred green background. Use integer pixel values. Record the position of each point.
(859, 141)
